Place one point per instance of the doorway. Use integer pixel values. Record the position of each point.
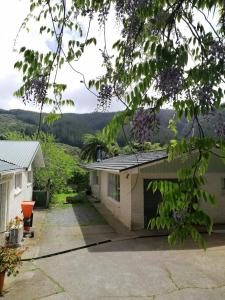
(152, 200)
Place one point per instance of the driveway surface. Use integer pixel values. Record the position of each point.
(126, 268)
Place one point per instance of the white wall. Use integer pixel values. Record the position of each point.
(16, 197)
(122, 209)
(130, 209)
(95, 188)
(215, 185)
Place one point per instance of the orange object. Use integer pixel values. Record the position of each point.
(27, 208)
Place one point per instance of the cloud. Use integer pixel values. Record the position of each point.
(87, 102)
(89, 64)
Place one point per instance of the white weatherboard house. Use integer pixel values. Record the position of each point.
(121, 182)
(17, 159)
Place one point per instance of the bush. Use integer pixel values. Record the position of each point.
(80, 179)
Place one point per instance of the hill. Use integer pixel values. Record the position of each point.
(71, 127)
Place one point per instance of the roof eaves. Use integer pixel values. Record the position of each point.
(145, 163)
(33, 157)
(121, 167)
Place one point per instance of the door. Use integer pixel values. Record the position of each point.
(3, 205)
(151, 201)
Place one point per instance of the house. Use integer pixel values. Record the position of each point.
(17, 159)
(121, 184)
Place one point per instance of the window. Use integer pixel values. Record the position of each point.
(94, 178)
(29, 177)
(3, 205)
(18, 181)
(114, 186)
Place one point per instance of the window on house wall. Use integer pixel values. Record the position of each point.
(3, 204)
(29, 177)
(94, 177)
(18, 181)
(114, 186)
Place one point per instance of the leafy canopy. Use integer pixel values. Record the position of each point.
(169, 52)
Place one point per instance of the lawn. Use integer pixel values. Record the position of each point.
(58, 200)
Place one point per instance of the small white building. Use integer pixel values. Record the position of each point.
(17, 159)
(121, 184)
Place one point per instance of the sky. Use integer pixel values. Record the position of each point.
(12, 14)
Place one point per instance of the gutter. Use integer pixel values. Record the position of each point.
(9, 172)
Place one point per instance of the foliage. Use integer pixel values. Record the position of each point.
(169, 52)
(180, 212)
(71, 127)
(80, 179)
(59, 166)
(10, 260)
(58, 200)
(94, 143)
(15, 223)
(141, 147)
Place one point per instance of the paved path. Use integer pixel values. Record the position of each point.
(130, 269)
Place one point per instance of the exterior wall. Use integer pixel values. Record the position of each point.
(137, 201)
(122, 209)
(130, 209)
(15, 197)
(95, 188)
(165, 170)
(137, 208)
(215, 185)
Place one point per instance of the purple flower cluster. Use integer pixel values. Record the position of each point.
(170, 82)
(104, 97)
(220, 130)
(145, 122)
(217, 51)
(103, 14)
(36, 90)
(130, 6)
(205, 95)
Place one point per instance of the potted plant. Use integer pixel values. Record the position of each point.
(15, 232)
(10, 261)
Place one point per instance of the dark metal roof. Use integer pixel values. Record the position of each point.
(5, 166)
(125, 162)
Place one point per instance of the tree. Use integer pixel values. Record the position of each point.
(169, 52)
(144, 147)
(92, 143)
(59, 166)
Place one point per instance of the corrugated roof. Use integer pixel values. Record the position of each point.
(20, 153)
(124, 162)
(5, 166)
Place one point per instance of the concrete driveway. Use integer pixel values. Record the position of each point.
(127, 268)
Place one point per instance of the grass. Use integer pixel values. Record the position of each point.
(58, 200)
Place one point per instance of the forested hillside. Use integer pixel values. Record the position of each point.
(71, 127)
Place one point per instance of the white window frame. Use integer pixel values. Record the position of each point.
(94, 178)
(18, 182)
(114, 186)
(4, 206)
(29, 177)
